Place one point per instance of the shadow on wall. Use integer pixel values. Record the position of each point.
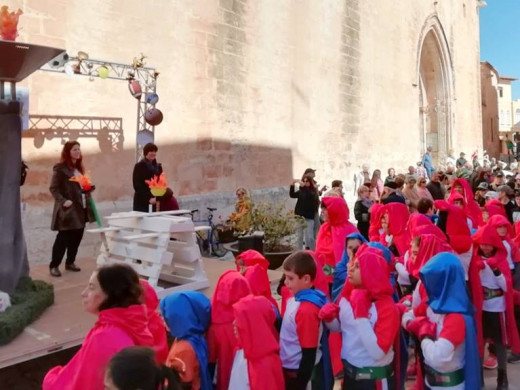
(204, 166)
(108, 131)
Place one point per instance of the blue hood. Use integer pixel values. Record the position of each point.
(188, 314)
(443, 278)
(340, 271)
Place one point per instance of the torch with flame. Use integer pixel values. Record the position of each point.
(9, 23)
(84, 181)
(157, 185)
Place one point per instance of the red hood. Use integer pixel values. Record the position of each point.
(431, 229)
(429, 247)
(374, 272)
(150, 296)
(456, 196)
(255, 318)
(230, 288)
(252, 257)
(259, 282)
(397, 217)
(466, 189)
(470, 205)
(376, 213)
(337, 210)
(488, 235)
(132, 319)
(397, 225)
(320, 282)
(500, 220)
(456, 227)
(416, 220)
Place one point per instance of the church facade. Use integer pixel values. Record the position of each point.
(254, 92)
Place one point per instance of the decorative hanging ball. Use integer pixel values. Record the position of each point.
(103, 72)
(135, 88)
(153, 116)
(152, 98)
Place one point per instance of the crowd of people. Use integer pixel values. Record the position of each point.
(425, 287)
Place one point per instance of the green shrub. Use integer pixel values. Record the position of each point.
(29, 301)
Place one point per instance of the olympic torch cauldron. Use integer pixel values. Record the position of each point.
(18, 60)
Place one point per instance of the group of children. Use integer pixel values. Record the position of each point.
(419, 299)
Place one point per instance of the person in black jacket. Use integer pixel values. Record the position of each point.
(71, 208)
(145, 170)
(306, 206)
(435, 187)
(362, 210)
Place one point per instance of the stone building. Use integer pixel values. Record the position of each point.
(489, 82)
(254, 92)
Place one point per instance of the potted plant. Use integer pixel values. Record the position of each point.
(279, 227)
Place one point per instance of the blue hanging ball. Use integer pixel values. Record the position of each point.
(152, 98)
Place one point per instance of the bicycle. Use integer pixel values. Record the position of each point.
(208, 239)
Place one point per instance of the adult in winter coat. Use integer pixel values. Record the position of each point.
(306, 206)
(71, 208)
(114, 294)
(362, 209)
(145, 170)
(331, 237)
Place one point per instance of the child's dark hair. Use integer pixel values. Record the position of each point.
(301, 263)
(121, 285)
(424, 205)
(336, 183)
(134, 368)
(417, 241)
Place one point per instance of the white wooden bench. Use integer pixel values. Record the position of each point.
(160, 246)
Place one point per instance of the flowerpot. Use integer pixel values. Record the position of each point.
(275, 259)
(226, 235)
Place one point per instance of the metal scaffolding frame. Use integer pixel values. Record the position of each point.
(146, 76)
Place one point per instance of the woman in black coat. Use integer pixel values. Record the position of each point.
(306, 206)
(71, 208)
(145, 170)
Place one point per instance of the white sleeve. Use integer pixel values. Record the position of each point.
(407, 317)
(441, 350)
(403, 277)
(368, 338)
(501, 281)
(416, 296)
(333, 326)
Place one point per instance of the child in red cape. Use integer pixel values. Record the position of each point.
(368, 320)
(375, 230)
(254, 267)
(330, 242)
(506, 233)
(395, 221)
(155, 322)
(493, 297)
(493, 207)
(257, 363)
(456, 227)
(230, 288)
(462, 187)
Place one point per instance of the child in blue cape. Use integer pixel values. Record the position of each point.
(448, 332)
(188, 315)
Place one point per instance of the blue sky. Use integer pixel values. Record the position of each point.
(500, 38)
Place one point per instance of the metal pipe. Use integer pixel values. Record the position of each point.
(13, 90)
(2, 92)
